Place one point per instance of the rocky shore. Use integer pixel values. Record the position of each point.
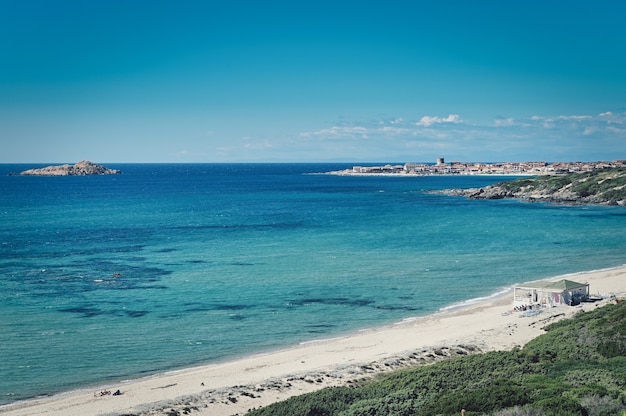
(603, 187)
(79, 169)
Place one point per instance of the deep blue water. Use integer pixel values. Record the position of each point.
(113, 277)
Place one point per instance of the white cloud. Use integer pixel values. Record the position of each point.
(617, 130)
(609, 117)
(575, 118)
(561, 137)
(561, 122)
(338, 131)
(505, 122)
(428, 121)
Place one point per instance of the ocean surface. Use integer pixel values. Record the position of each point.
(108, 278)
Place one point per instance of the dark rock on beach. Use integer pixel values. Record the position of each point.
(79, 169)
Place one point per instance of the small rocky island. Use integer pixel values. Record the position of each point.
(79, 169)
(599, 187)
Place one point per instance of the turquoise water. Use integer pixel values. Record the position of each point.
(165, 266)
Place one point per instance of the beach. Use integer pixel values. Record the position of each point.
(234, 387)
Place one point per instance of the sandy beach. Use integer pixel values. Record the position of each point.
(232, 388)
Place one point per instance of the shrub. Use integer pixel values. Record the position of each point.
(519, 411)
(498, 394)
(560, 406)
(577, 368)
(602, 405)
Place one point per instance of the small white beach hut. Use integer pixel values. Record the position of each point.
(547, 294)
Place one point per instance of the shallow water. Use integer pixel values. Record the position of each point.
(166, 266)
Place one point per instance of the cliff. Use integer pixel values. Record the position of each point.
(79, 169)
(601, 187)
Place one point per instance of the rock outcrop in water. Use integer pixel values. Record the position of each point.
(601, 187)
(79, 169)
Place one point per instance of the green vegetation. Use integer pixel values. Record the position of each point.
(516, 185)
(601, 186)
(577, 368)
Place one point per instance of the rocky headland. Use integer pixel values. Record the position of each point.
(601, 187)
(79, 169)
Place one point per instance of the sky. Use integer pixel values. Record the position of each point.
(140, 81)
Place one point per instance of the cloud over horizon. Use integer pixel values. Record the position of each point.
(430, 120)
(564, 137)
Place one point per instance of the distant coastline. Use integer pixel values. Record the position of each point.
(471, 168)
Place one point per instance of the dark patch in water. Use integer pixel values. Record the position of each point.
(231, 307)
(87, 312)
(105, 274)
(159, 287)
(351, 303)
(200, 309)
(319, 326)
(90, 312)
(399, 308)
(135, 259)
(240, 263)
(237, 317)
(170, 316)
(166, 250)
(135, 314)
(105, 250)
(235, 227)
(216, 307)
(602, 214)
(331, 301)
(197, 261)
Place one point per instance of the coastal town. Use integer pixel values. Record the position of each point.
(468, 168)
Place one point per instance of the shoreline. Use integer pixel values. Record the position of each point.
(420, 175)
(233, 387)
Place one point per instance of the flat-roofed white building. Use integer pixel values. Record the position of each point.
(562, 292)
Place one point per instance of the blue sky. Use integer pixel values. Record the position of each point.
(272, 81)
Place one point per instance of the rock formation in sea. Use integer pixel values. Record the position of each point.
(601, 187)
(79, 169)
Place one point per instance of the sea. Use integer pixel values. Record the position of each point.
(167, 266)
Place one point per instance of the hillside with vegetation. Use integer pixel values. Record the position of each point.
(578, 367)
(602, 187)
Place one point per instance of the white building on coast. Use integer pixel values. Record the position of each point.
(548, 294)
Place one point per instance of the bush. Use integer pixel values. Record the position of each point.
(577, 368)
(561, 406)
(602, 405)
(519, 411)
(498, 394)
(326, 402)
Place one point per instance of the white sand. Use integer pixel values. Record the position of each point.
(232, 388)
